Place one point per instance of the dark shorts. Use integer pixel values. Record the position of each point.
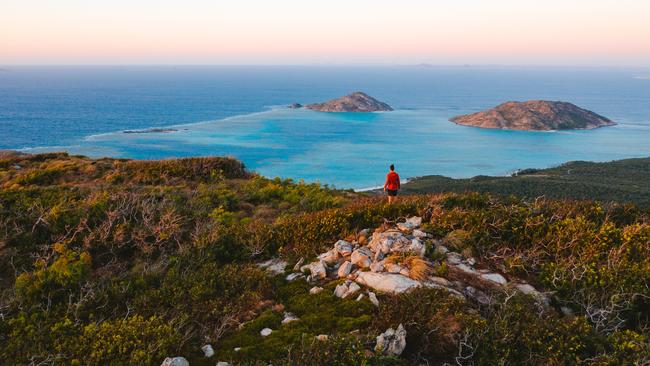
(392, 192)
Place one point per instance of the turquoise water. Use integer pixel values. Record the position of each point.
(87, 113)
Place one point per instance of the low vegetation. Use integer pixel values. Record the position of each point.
(127, 262)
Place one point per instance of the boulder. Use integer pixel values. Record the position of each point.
(315, 290)
(377, 266)
(345, 269)
(289, 317)
(274, 266)
(373, 298)
(330, 257)
(294, 276)
(175, 361)
(387, 282)
(361, 258)
(391, 342)
(343, 247)
(318, 270)
(494, 277)
(208, 351)
(266, 332)
(417, 247)
(341, 290)
(223, 363)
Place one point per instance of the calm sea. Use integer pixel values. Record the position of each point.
(238, 111)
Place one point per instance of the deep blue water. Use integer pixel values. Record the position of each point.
(84, 109)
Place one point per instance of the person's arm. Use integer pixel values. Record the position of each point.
(399, 183)
(386, 183)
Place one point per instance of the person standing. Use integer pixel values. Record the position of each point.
(392, 184)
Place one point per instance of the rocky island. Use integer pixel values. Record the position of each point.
(355, 102)
(534, 115)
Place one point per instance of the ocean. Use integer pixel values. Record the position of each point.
(241, 111)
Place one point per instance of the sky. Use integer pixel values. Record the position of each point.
(526, 32)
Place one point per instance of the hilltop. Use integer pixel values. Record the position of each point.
(354, 102)
(199, 261)
(534, 115)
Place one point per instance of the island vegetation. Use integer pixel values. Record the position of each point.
(124, 262)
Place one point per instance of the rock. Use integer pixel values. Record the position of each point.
(298, 264)
(393, 268)
(478, 295)
(318, 270)
(534, 115)
(355, 102)
(454, 258)
(566, 311)
(419, 233)
(315, 290)
(346, 289)
(175, 361)
(343, 247)
(494, 277)
(274, 266)
(361, 258)
(237, 349)
(471, 261)
(360, 297)
(467, 269)
(405, 227)
(417, 247)
(330, 257)
(391, 342)
(377, 266)
(266, 332)
(289, 317)
(345, 269)
(531, 291)
(208, 351)
(294, 276)
(322, 337)
(441, 249)
(414, 221)
(223, 363)
(295, 106)
(439, 281)
(386, 282)
(405, 272)
(373, 298)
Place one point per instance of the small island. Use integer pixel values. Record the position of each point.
(355, 102)
(534, 115)
(152, 130)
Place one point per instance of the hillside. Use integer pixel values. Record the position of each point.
(534, 115)
(124, 262)
(621, 181)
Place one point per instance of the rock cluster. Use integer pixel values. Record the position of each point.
(392, 342)
(392, 260)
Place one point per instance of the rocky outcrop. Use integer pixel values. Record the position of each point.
(535, 115)
(392, 342)
(295, 106)
(355, 102)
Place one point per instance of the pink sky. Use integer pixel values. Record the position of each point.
(575, 32)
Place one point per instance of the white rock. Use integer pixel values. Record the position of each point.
(223, 363)
(343, 247)
(439, 281)
(405, 272)
(273, 266)
(345, 269)
(393, 268)
(566, 311)
(322, 337)
(360, 259)
(386, 282)
(467, 269)
(526, 289)
(353, 288)
(329, 257)
(294, 276)
(315, 290)
(416, 221)
(419, 233)
(266, 332)
(392, 342)
(360, 297)
(494, 277)
(377, 266)
(318, 270)
(373, 298)
(237, 349)
(298, 264)
(454, 258)
(175, 361)
(341, 290)
(471, 261)
(441, 249)
(208, 351)
(417, 247)
(289, 317)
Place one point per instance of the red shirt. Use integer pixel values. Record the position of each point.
(392, 181)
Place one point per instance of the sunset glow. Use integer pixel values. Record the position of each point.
(599, 32)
